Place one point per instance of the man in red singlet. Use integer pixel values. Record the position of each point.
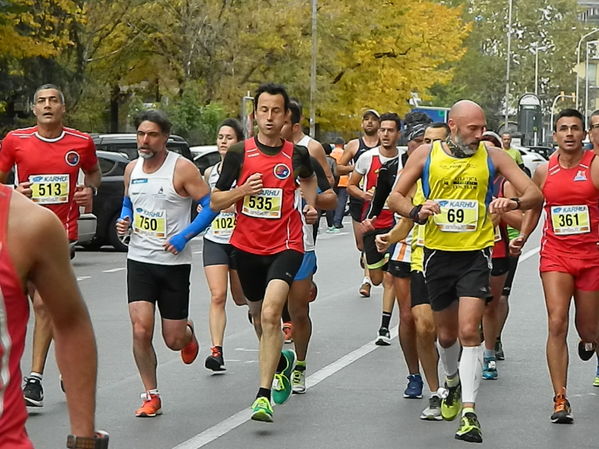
(569, 249)
(48, 158)
(269, 235)
(34, 249)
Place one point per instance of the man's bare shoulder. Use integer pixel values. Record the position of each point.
(352, 145)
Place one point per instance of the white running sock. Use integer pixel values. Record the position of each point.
(35, 375)
(470, 372)
(449, 358)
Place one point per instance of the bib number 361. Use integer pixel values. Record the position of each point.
(570, 220)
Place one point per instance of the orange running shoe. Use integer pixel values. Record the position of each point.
(288, 332)
(191, 349)
(150, 407)
(562, 413)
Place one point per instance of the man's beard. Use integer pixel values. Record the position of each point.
(371, 132)
(459, 148)
(146, 155)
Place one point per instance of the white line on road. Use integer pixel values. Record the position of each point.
(529, 254)
(239, 418)
(113, 270)
(82, 278)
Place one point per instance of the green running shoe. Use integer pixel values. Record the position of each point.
(596, 381)
(452, 403)
(281, 385)
(262, 410)
(469, 429)
(298, 382)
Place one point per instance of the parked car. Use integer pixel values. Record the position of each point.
(544, 151)
(108, 202)
(205, 156)
(127, 144)
(531, 160)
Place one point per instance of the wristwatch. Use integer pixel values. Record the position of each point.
(99, 441)
(94, 190)
(517, 200)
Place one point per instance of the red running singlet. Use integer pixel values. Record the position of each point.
(572, 210)
(14, 313)
(271, 221)
(385, 218)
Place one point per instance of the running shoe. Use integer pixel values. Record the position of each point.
(298, 381)
(562, 413)
(383, 338)
(586, 350)
(452, 403)
(333, 230)
(191, 349)
(33, 392)
(469, 429)
(489, 368)
(365, 289)
(288, 332)
(499, 355)
(339, 225)
(281, 385)
(596, 381)
(433, 411)
(215, 361)
(150, 407)
(414, 389)
(262, 410)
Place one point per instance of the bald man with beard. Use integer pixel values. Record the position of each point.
(457, 176)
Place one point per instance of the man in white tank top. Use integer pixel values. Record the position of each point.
(159, 189)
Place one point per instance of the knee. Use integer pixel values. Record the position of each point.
(299, 314)
(406, 318)
(142, 333)
(39, 308)
(558, 327)
(175, 342)
(218, 299)
(425, 328)
(376, 277)
(270, 318)
(587, 332)
(469, 333)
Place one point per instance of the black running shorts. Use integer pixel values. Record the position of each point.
(355, 208)
(513, 264)
(418, 289)
(500, 266)
(256, 271)
(455, 274)
(164, 285)
(399, 269)
(374, 259)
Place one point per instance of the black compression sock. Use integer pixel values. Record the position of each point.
(285, 315)
(386, 319)
(282, 364)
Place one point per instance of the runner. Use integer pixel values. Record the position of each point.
(456, 178)
(159, 189)
(492, 318)
(34, 249)
(219, 265)
(303, 290)
(400, 256)
(268, 237)
(353, 151)
(48, 158)
(422, 313)
(569, 253)
(341, 189)
(506, 139)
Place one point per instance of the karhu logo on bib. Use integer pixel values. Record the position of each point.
(580, 176)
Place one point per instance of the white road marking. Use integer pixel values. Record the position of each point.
(529, 254)
(114, 270)
(239, 418)
(82, 278)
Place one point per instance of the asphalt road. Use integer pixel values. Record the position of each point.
(354, 399)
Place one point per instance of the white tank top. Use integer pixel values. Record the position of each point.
(222, 226)
(159, 212)
(304, 141)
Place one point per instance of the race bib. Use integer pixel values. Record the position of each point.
(570, 220)
(457, 215)
(223, 225)
(497, 236)
(49, 189)
(150, 223)
(267, 204)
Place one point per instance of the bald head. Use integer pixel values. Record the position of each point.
(465, 108)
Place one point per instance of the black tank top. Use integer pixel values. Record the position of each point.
(363, 148)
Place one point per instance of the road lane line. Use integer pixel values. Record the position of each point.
(529, 254)
(113, 270)
(82, 278)
(241, 417)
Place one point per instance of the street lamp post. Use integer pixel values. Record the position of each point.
(586, 81)
(578, 62)
(313, 68)
(557, 97)
(507, 70)
(537, 68)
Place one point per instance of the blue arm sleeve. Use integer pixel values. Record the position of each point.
(127, 209)
(201, 222)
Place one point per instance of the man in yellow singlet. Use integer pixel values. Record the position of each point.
(457, 177)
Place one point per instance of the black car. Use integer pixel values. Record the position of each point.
(114, 152)
(542, 150)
